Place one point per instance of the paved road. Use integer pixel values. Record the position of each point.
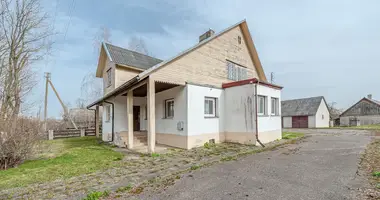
(321, 167)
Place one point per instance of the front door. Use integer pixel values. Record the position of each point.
(136, 118)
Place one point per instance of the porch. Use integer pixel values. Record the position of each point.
(135, 111)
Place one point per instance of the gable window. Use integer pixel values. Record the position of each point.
(261, 105)
(236, 72)
(274, 106)
(169, 108)
(210, 107)
(239, 39)
(109, 77)
(108, 113)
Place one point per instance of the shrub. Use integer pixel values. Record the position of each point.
(17, 143)
(194, 167)
(376, 174)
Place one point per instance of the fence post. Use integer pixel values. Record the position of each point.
(82, 132)
(51, 134)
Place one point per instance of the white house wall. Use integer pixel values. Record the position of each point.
(239, 109)
(200, 128)
(269, 126)
(322, 117)
(311, 121)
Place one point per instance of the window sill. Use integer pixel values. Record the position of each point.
(211, 117)
(262, 115)
(167, 117)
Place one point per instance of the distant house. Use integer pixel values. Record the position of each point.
(207, 93)
(305, 113)
(364, 112)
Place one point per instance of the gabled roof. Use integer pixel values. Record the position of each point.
(301, 107)
(250, 45)
(128, 58)
(376, 102)
(246, 34)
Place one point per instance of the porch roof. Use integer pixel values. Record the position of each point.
(138, 90)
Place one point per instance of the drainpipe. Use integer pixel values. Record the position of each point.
(257, 121)
(113, 119)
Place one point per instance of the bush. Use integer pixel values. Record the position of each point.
(17, 143)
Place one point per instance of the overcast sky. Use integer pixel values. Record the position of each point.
(324, 47)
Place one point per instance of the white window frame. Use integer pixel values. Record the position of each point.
(214, 101)
(274, 106)
(259, 105)
(236, 72)
(169, 115)
(108, 113)
(109, 77)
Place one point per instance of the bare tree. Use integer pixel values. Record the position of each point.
(91, 87)
(138, 44)
(25, 30)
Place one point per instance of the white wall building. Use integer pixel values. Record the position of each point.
(305, 113)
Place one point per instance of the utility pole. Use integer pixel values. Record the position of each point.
(63, 105)
(47, 77)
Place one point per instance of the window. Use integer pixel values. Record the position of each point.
(210, 107)
(108, 113)
(169, 108)
(274, 106)
(239, 39)
(261, 105)
(323, 117)
(236, 72)
(109, 77)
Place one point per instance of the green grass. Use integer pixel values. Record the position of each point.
(291, 135)
(97, 195)
(74, 156)
(364, 127)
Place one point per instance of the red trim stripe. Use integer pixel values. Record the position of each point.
(250, 81)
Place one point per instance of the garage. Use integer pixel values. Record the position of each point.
(300, 122)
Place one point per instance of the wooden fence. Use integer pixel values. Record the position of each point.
(67, 133)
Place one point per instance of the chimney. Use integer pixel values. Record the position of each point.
(206, 35)
(369, 96)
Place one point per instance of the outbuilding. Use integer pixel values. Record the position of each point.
(305, 113)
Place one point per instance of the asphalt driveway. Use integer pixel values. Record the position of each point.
(323, 166)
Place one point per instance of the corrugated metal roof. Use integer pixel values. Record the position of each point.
(300, 107)
(127, 57)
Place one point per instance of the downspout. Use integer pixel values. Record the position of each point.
(113, 119)
(257, 121)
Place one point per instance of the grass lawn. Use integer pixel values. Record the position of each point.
(64, 158)
(365, 127)
(291, 135)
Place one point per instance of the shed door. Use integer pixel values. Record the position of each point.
(300, 122)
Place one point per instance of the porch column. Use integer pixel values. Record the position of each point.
(97, 121)
(130, 118)
(151, 115)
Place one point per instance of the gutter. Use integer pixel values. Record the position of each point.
(257, 119)
(113, 119)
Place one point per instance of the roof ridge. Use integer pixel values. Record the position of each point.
(107, 43)
(304, 98)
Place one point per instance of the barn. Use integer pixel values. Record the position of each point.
(365, 112)
(305, 113)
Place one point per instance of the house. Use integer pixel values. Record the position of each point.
(305, 113)
(207, 93)
(365, 111)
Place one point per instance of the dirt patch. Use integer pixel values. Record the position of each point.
(370, 168)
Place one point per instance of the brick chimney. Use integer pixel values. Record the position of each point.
(206, 35)
(369, 96)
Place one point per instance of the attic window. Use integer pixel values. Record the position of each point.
(239, 39)
(109, 77)
(236, 72)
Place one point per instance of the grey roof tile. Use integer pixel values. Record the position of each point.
(131, 58)
(300, 107)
